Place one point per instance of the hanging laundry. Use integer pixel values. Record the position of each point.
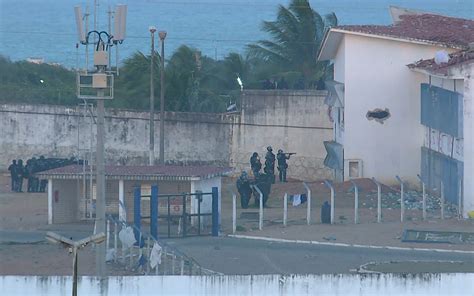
(298, 199)
(127, 237)
(155, 256)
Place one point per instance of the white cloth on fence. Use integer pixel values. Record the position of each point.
(155, 256)
(296, 200)
(123, 217)
(127, 237)
(110, 255)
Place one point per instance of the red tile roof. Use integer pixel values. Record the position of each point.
(456, 58)
(436, 29)
(157, 172)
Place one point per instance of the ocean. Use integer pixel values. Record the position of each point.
(47, 29)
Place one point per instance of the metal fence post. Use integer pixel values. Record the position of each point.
(107, 241)
(330, 186)
(173, 259)
(115, 242)
(234, 212)
(215, 211)
(460, 196)
(131, 257)
(124, 258)
(442, 200)
(163, 260)
(260, 211)
(285, 208)
(184, 218)
(423, 189)
(148, 255)
(137, 211)
(402, 199)
(154, 211)
(356, 202)
(308, 206)
(379, 200)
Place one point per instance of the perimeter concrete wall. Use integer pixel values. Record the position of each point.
(296, 121)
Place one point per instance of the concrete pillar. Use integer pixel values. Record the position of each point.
(122, 212)
(468, 110)
(50, 201)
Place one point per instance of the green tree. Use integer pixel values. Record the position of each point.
(24, 82)
(297, 34)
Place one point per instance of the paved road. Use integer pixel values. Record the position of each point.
(243, 256)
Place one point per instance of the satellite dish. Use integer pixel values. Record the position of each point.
(441, 57)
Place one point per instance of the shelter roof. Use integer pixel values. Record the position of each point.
(156, 173)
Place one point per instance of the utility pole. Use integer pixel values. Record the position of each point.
(100, 187)
(152, 100)
(98, 85)
(162, 35)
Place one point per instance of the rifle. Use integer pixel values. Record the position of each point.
(290, 153)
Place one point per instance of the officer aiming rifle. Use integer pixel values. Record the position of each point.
(282, 157)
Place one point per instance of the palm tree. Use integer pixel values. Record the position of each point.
(193, 82)
(133, 85)
(297, 34)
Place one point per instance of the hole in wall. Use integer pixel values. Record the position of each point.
(379, 115)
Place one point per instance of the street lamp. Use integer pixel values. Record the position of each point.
(239, 81)
(73, 247)
(152, 99)
(162, 35)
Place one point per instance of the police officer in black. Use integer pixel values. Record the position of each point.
(264, 183)
(42, 165)
(255, 164)
(13, 175)
(20, 173)
(243, 186)
(282, 165)
(270, 164)
(29, 171)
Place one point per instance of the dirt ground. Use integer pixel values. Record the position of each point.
(367, 232)
(29, 212)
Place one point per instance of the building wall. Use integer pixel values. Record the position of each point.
(206, 204)
(340, 62)
(467, 71)
(59, 131)
(296, 121)
(65, 205)
(376, 76)
(468, 142)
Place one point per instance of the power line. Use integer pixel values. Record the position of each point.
(147, 37)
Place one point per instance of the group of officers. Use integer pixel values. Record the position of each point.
(18, 172)
(262, 180)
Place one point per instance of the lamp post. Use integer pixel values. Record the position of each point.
(152, 98)
(162, 35)
(73, 247)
